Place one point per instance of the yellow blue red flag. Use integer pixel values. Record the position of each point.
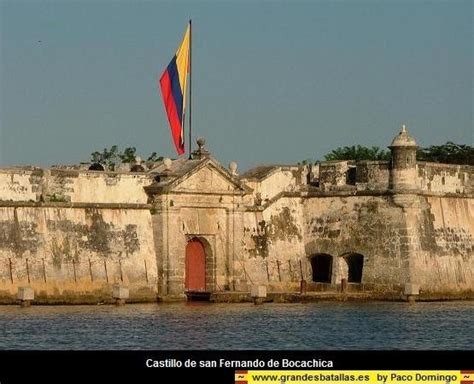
(173, 89)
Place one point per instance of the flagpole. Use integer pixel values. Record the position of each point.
(190, 81)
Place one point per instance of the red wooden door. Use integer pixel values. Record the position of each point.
(195, 279)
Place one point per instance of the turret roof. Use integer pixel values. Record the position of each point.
(403, 139)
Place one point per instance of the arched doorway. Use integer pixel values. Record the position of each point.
(195, 278)
(355, 264)
(321, 264)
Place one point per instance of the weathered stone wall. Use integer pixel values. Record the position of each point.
(97, 187)
(368, 225)
(281, 179)
(273, 245)
(364, 175)
(60, 230)
(444, 260)
(398, 236)
(372, 175)
(20, 184)
(214, 220)
(71, 234)
(445, 178)
(76, 254)
(73, 186)
(375, 175)
(334, 174)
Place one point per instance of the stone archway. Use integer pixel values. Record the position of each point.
(195, 266)
(321, 265)
(355, 266)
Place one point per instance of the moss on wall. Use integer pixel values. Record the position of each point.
(283, 226)
(19, 237)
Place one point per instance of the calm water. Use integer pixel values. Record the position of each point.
(240, 326)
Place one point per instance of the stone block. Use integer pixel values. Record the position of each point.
(258, 291)
(120, 292)
(25, 293)
(412, 289)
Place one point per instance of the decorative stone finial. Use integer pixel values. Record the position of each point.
(233, 168)
(200, 153)
(167, 163)
(201, 142)
(404, 128)
(138, 160)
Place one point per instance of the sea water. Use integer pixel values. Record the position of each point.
(311, 326)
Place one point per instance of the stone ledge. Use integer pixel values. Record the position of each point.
(50, 204)
(295, 297)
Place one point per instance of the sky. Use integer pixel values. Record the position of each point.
(273, 81)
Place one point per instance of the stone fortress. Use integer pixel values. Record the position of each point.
(176, 228)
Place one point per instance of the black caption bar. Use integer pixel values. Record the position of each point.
(220, 366)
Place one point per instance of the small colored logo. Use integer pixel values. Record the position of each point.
(241, 377)
(467, 377)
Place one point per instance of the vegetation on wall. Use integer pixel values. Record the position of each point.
(357, 152)
(110, 157)
(449, 153)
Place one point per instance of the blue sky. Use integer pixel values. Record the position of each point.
(273, 81)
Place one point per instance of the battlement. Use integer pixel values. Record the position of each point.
(78, 184)
(356, 177)
(30, 184)
(445, 178)
(375, 176)
(73, 231)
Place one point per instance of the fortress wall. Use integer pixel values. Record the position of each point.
(63, 253)
(63, 249)
(213, 219)
(372, 175)
(281, 180)
(368, 175)
(212, 228)
(273, 247)
(73, 186)
(333, 174)
(274, 184)
(98, 187)
(399, 245)
(284, 180)
(368, 225)
(446, 258)
(20, 184)
(375, 175)
(445, 178)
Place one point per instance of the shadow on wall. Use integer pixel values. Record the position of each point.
(355, 265)
(321, 265)
(351, 268)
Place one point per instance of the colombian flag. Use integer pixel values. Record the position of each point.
(173, 89)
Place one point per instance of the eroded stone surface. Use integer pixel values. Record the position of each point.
(71, 233)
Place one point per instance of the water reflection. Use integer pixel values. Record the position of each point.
(201, 325)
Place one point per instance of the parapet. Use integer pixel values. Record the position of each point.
(373, 176)
(69, 185)
(445, 178)
(355, 175)
(268, 181)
